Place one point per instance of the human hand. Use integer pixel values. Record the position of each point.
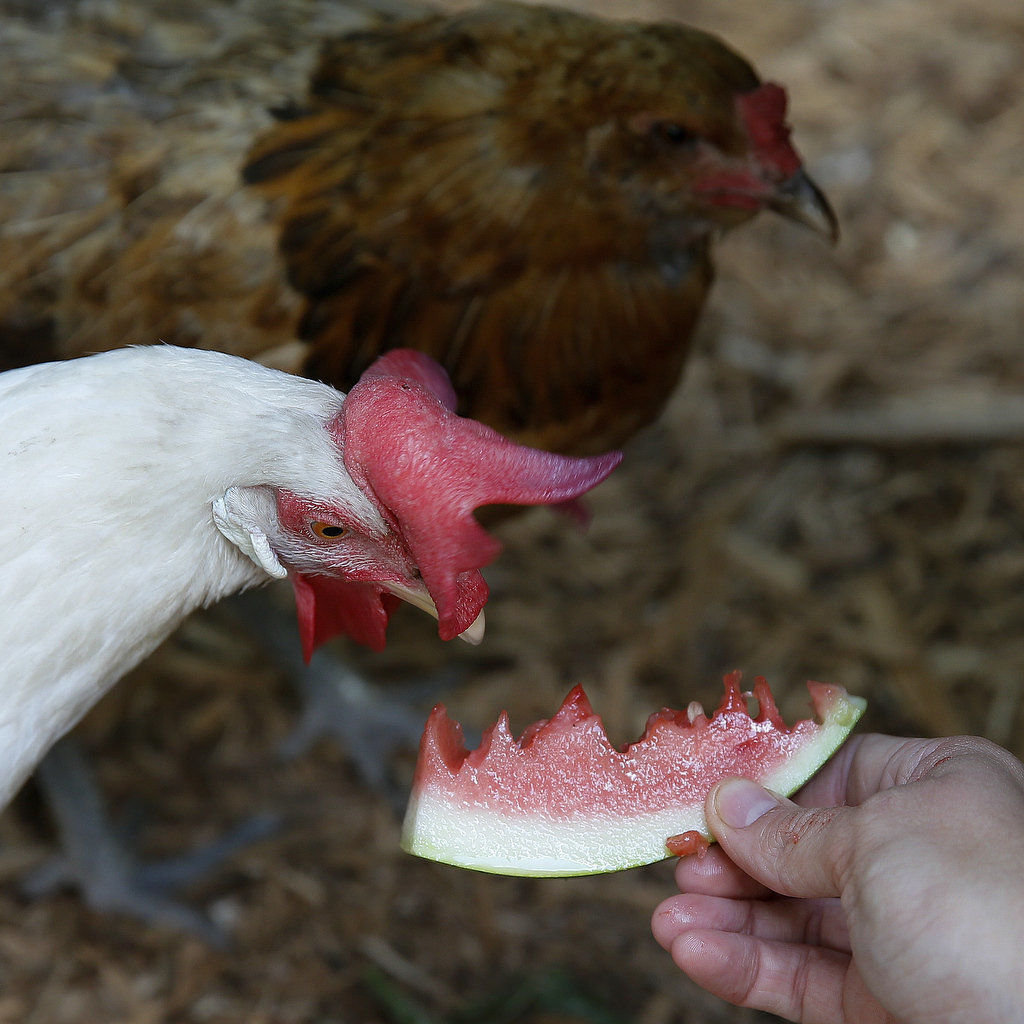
(892, 888)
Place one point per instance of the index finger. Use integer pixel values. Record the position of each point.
(863, 766)
(713, 874)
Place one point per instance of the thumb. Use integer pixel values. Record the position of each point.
(795, 851)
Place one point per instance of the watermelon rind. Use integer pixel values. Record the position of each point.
(487, 839)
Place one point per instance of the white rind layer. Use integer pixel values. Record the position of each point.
(487, 840)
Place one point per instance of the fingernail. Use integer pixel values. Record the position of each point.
(740, 802)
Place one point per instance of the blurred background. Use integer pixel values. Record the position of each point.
(835, 492)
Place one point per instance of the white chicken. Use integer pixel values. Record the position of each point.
(143, 483)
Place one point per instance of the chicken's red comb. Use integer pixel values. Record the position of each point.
(415, 368)
(427, 469)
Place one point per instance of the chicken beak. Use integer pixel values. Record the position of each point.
(422, 600)
(475, 633)
(800, 200)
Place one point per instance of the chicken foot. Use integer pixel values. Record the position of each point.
(98, 861)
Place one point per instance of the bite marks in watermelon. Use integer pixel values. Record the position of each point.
(561, 800)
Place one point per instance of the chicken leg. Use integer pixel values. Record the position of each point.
(98, 861)
(337, 702)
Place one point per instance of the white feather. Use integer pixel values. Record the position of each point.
(110, 468)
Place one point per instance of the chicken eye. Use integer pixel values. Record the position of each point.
(328, 531)
(671, 132)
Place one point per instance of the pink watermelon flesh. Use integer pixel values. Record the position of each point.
(561, 800)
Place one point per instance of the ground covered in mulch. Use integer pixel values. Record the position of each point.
(837, 492)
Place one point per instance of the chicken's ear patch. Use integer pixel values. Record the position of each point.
(239, 514)
(427, 470)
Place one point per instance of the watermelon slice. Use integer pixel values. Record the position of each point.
(561, 800)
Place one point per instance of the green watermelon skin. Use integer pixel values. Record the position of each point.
(561, 800)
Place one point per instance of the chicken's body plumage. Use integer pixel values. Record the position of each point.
(122, 215)
(102, 557)
(527, 194)
(440, 188)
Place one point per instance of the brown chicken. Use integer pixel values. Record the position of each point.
(525, 193)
